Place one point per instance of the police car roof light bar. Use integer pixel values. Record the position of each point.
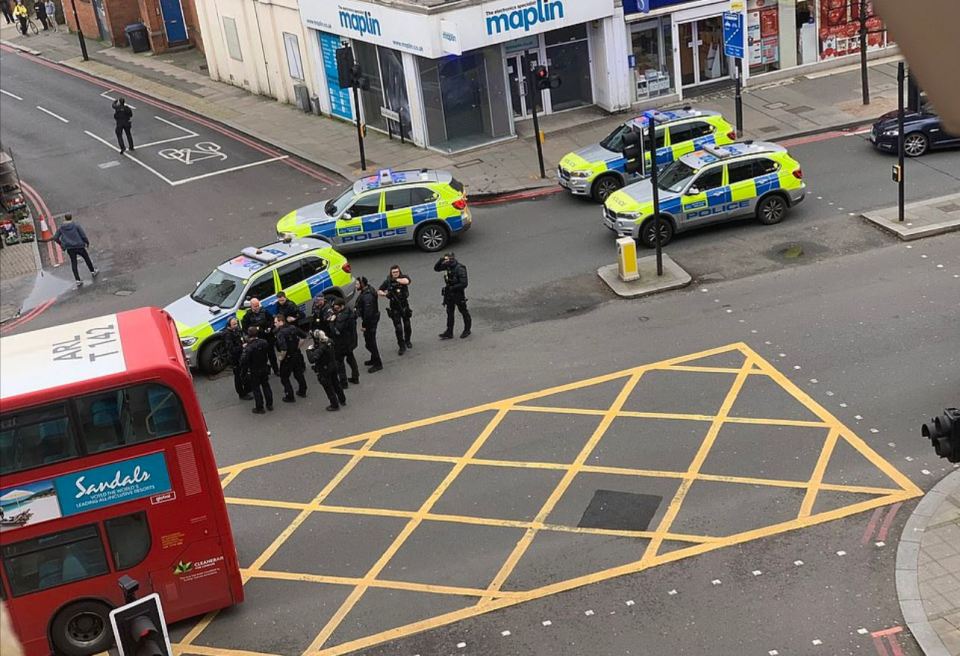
(259, 255)
(716, 151)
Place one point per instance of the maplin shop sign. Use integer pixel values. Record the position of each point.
(362, 23)
(524, 16)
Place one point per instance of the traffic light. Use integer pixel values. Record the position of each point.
(358, 79)
(944, 433)
(544, 80)
(139, 628)
(632, 150)
(344, 67)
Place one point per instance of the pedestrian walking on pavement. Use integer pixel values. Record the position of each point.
(123, 116)
(7, 14)
(345, 340)
(233, 342)
(255, 367)
(260, 318)
(73, 240)
(396, 289)
(368, 311)
(40, 9)
(51, 10)
(289, 336)
(322, 355)
(454, 293)
(21, 14)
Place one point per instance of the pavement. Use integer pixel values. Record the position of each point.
(815, 102)
(928, 569)
(926, 218)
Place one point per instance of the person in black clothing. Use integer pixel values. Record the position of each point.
(396, 289)
(41, 11)
(71, 238)
(255, 367)
(321, 316)
(7, 14)
(233, 340)
(322, 355)
(454, 293)
(368, 312)
(345, 341)
(258, 317)
(123, 116)
(287, 308)
(291, 357)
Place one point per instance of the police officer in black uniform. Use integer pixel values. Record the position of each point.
(396, 289)
(255, 367)
(345, 341)
(321, 316)
(258, 317)
(233, 342)
(289, 335)
(287, 308)
(368, 312)
(454, 293)
(322, 355)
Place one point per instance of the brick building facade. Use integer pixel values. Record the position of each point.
(106, 19)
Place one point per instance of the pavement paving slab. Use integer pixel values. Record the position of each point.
(934, 216)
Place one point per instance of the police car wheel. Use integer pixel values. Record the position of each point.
(604, 186)
(432, 237)
(772, 210)
(213, 357)
(915, 144)
(648, 233)
(82, 629)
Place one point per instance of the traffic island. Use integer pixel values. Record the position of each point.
(923, 219)
(674, 277)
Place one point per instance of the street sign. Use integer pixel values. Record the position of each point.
(736, 5)
(733, 34)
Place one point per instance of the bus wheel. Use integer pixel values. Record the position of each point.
(213, 357)
(82, 629)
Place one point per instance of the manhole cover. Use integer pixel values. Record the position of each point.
(621, 511)
(123, 292)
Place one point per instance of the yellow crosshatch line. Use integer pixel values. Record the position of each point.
(361, 446)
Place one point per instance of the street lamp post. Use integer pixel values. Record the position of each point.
(83, 43)
(864, 82)
(654, 182)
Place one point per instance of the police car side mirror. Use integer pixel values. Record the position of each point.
(246, 304)
(346, 215)
(198, 283)
(692, 191)
(215, 309)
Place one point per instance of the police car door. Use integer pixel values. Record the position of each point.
(664, 153)
(705, 197)
(263, 286)
(352, 224)
(397, 207)
(743, 188)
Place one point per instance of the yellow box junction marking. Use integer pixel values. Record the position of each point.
(363, 446)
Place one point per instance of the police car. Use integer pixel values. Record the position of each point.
(303, 269)
(423, 206)
(598, 170)
(752, 178)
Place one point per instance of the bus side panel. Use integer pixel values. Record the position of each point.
(196, 582)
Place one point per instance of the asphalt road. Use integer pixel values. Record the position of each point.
(860, 327)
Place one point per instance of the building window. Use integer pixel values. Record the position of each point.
(294, 63)
(652, 46)
(763, 35)
(233, 40)
(568, 55)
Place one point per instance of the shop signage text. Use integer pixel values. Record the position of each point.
(111, 484)
(363, 23)
(524, 17)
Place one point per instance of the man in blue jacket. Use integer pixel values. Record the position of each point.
(73, 240)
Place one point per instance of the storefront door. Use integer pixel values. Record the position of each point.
(701, 51)
(518, 74)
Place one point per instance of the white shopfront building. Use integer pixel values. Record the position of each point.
(456, 72)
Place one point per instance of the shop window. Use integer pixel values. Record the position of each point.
(568, 55)
(129, 539)
(36, 437)
(763, 35)
(294, 63)
(54, 559)
(232, 38)
(652, 50)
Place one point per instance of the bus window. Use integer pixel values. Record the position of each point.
(135, 414)
(35, 437)
(54, 559)
(129, 538)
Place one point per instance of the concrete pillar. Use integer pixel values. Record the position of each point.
(788, 33)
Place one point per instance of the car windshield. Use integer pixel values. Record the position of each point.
(336, 206)
(614, 141)
(675, 176)
(220, 289)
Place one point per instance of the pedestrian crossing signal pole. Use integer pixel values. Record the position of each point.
(350, 75)
(654, 182)
(899, 172)
(542, 80)
(76, 19)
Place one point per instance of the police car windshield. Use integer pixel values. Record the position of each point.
(614, 141)
(220, 289)
(675, 176)
(337, 205)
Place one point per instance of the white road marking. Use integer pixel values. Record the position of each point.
(756, 572)
(798, 563)
(187, 134)
(630, 602)
(109, 165)
(546, 622)
(715, 581)
(152, 170)
(841, 553)
(816, 642)
(880, 544)
(671, 592)
(588, 613)
(102, 140)
(12, 95)
(505, 633)
(56, 116)
(229, 170)
(106, 94)
(862, 631)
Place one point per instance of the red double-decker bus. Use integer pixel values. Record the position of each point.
(106, 470)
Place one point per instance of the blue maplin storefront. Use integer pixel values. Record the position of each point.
(457, 76)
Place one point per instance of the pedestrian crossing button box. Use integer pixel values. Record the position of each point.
(627, 259)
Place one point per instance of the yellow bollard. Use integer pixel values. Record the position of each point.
(627, 259)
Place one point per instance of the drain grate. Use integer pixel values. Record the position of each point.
(622, 511)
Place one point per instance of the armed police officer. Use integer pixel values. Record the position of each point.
(289, 335)
(322, 355)
(233, 343)
(260, 318)
(344, 324)
(396, 289)
(255, 367)
(454, 293)
(368, 311)
(287, 308)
